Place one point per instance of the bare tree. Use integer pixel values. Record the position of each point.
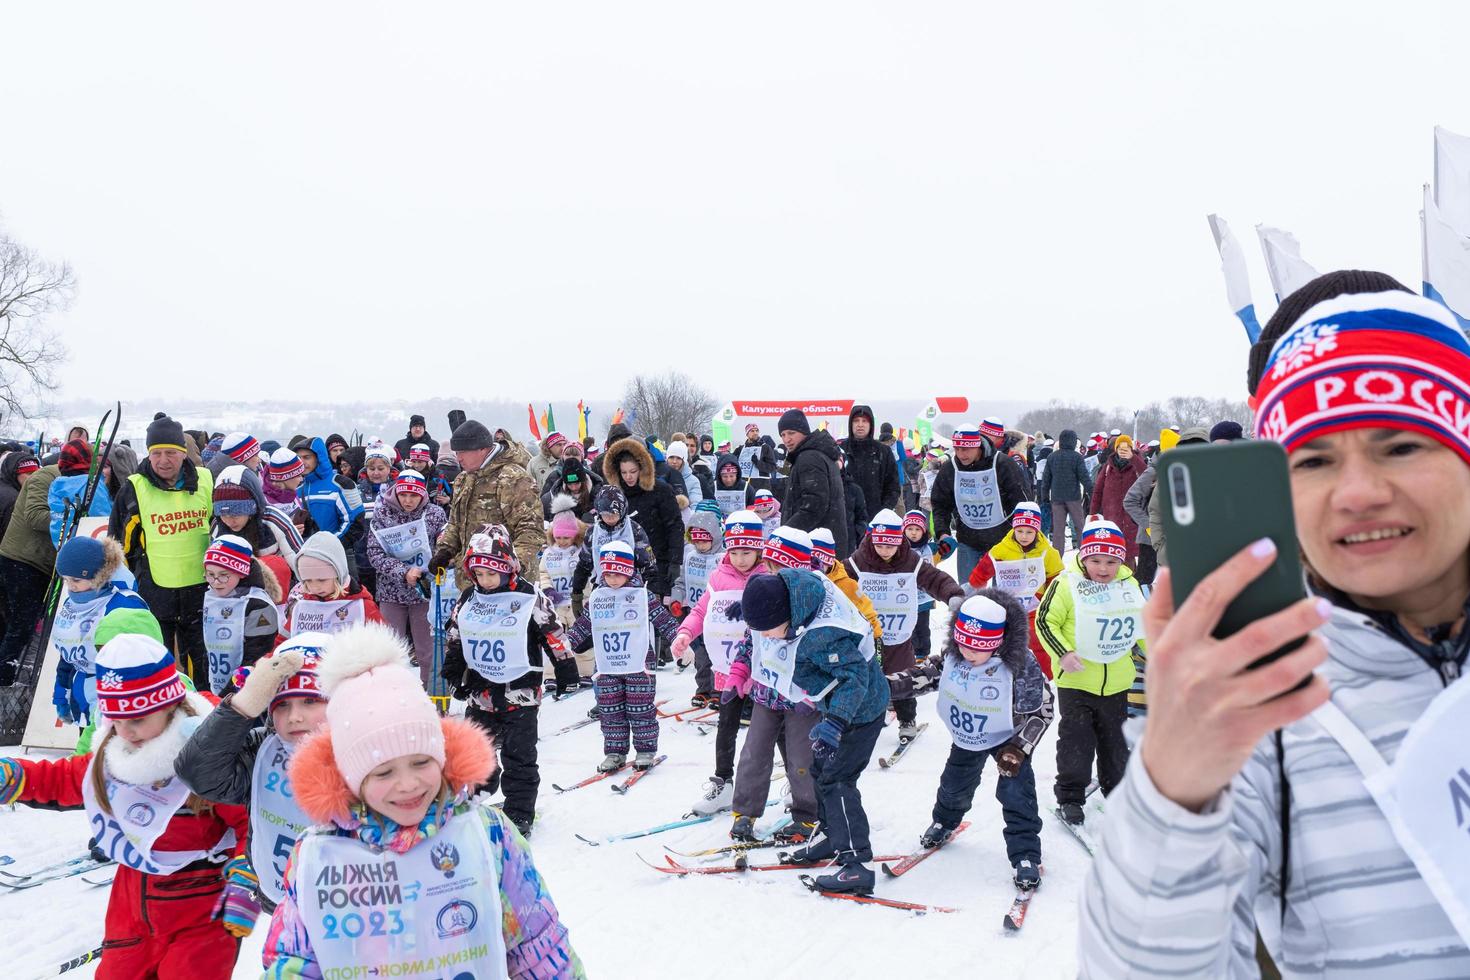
(667, 403)
(31, 289)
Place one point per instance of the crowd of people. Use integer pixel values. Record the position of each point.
(254, 644)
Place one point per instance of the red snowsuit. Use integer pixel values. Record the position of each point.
(157, 925)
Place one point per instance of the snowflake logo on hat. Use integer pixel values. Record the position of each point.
(1312, 341)
(111, 679)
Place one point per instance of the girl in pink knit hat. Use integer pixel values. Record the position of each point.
(402, 871)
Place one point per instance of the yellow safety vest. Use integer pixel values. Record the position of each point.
(175, 529)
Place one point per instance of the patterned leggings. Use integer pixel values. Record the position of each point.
(625, 701)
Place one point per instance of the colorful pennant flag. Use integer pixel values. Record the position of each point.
(531, 419)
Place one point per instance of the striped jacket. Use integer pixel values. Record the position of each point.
(1179, 894)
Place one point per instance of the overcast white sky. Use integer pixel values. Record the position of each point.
(536, 200)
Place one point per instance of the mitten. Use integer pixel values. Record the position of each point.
(734, 611)
(557, 641)
(1009, 758)
(576, 604)
(554, 597)
(826, 736)
(239, 904)
(956, 603)
(740, 680)
(263, 681)
(680, 646)
(12, 781)
(62, 700)
(945, 547)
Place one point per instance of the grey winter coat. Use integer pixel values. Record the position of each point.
(1136, 504)
(1174, 893)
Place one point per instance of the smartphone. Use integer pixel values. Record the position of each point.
(1219, 499)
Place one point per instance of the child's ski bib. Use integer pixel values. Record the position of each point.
(697, 569)
(275, 818)
(431, 912)
(409, 542)
(140, 815)
(975, 703)
(493, 633)
(224, 632)
(73, 630)
(722, 635)
(315, 616)
(730, 500)
(1021, 578)
(559, 564)
(1108, 617)
(895, 599)
(620, 630)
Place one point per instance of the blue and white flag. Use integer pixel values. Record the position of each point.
(1446, 262)
(1237, 279)
(1284, 263)
(1452, 178)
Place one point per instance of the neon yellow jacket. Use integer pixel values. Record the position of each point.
(1056, 627)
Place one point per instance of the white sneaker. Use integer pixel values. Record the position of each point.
(719, 795)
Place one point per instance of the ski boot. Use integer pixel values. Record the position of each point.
(936, 835)
(592, 711)
(850, 879)
(643, 760)
(1028, 875)
(908, 730)
(795, 833)
(743, 830)
(719, 794)
(816, 849)
(612, 762)
(1072, 813)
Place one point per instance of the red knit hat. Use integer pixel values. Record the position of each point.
(1368, 361)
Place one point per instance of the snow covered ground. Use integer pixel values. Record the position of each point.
(627, 920)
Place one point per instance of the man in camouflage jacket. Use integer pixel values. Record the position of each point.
(493, 488)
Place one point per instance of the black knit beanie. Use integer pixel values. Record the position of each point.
(1340, 283)
(471, 435)
(165, 432)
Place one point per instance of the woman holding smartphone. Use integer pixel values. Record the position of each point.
(1329, 817)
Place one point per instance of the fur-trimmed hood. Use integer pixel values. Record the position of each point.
(112, 559)
(324, 796)
(639, 452)
(153, 761)
(262, 576)
(1014, 650)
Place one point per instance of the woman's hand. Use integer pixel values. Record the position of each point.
(1206, 710)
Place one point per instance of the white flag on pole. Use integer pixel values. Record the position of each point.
(1446, 262)
(1284, 263)
(1237, 279)
(1452, 178)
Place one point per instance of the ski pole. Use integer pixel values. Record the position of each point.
(72, 964)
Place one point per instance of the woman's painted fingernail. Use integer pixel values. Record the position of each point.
(1263, 548)
(1324, 609)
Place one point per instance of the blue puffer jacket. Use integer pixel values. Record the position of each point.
(332, 506)
(827, 653)
(73, 487)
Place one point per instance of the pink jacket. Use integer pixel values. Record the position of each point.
(725, 578)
